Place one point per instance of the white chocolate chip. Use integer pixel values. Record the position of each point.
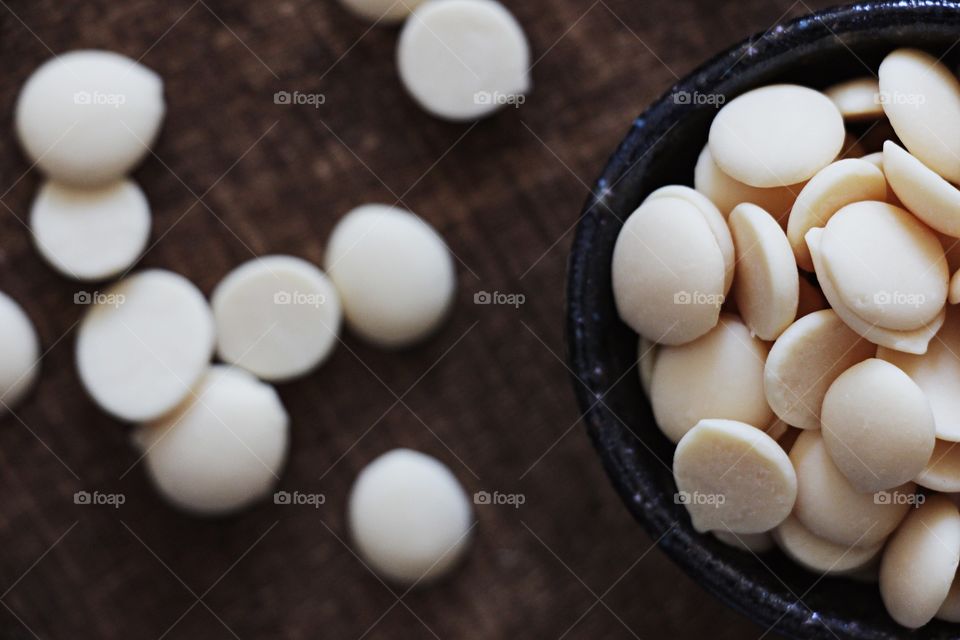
(837, 185)
(19, 353)
(88, 117)
(409, 517)
(144, 343)
(937, 373)
(768, 287)
(831, 508)
(857, 99)
(277, 317)
(877, 426)
(804, 362)
(91, 234)
(924, 193)
(733, 477)
(921, 97)
(719, 375)
(382, 11)
(819, 555)
(394, 274)
(464, 59)
(221, 449)
(726, 193)
(776, 135)
(668, 272)
(920, 562)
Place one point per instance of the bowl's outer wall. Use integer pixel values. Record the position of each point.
(661, 148)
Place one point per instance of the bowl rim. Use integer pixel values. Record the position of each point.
(643, 135)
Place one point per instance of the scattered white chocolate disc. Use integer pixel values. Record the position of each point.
(915, 341)
(91, 234)
(886, 266)
(143, 343)
(921, 97)
(394, 274)
(928, 196)
(834, 187)
(949, 611)
(776, 135)
(726, 193)
(768, 287)
(719, 375)
(937, 373)
(716, 466)
(382, 11)
(647, 358)
(222, 448)
(276, 316)
(942, 472)
(819, 555)
(750, 542)
(810, 298)
(804, 362)
(20, 350)
(877, 426)
(88, 117)
(715, 219)
(409, 517)
(464, 59)
(857, 99)
(668, 272)
(829, 506)
(920, 561)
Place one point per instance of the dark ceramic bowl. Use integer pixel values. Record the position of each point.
(661, 148)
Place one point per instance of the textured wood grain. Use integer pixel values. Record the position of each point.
(489, 395)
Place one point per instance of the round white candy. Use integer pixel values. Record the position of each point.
(819, 555)
(409, 517)
(726, 193)
(464, 59)
(88, 117)
(921, 97)
(776, 135)
(928, 196)
(277, 317)
(857, 99)
(887, 266)
(222, 448)
(91, 234)
(669, 271)
(19, 353)
(394, 273)
(382, 11)
(144, 343)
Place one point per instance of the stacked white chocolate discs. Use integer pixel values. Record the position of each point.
(214, 438)
(797, 336)
(460, 60)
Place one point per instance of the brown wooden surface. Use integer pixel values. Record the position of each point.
(489, 395)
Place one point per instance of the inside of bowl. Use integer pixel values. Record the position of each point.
(661, 148)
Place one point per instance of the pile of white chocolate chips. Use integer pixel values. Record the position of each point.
(214, 437)
(797, 336)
